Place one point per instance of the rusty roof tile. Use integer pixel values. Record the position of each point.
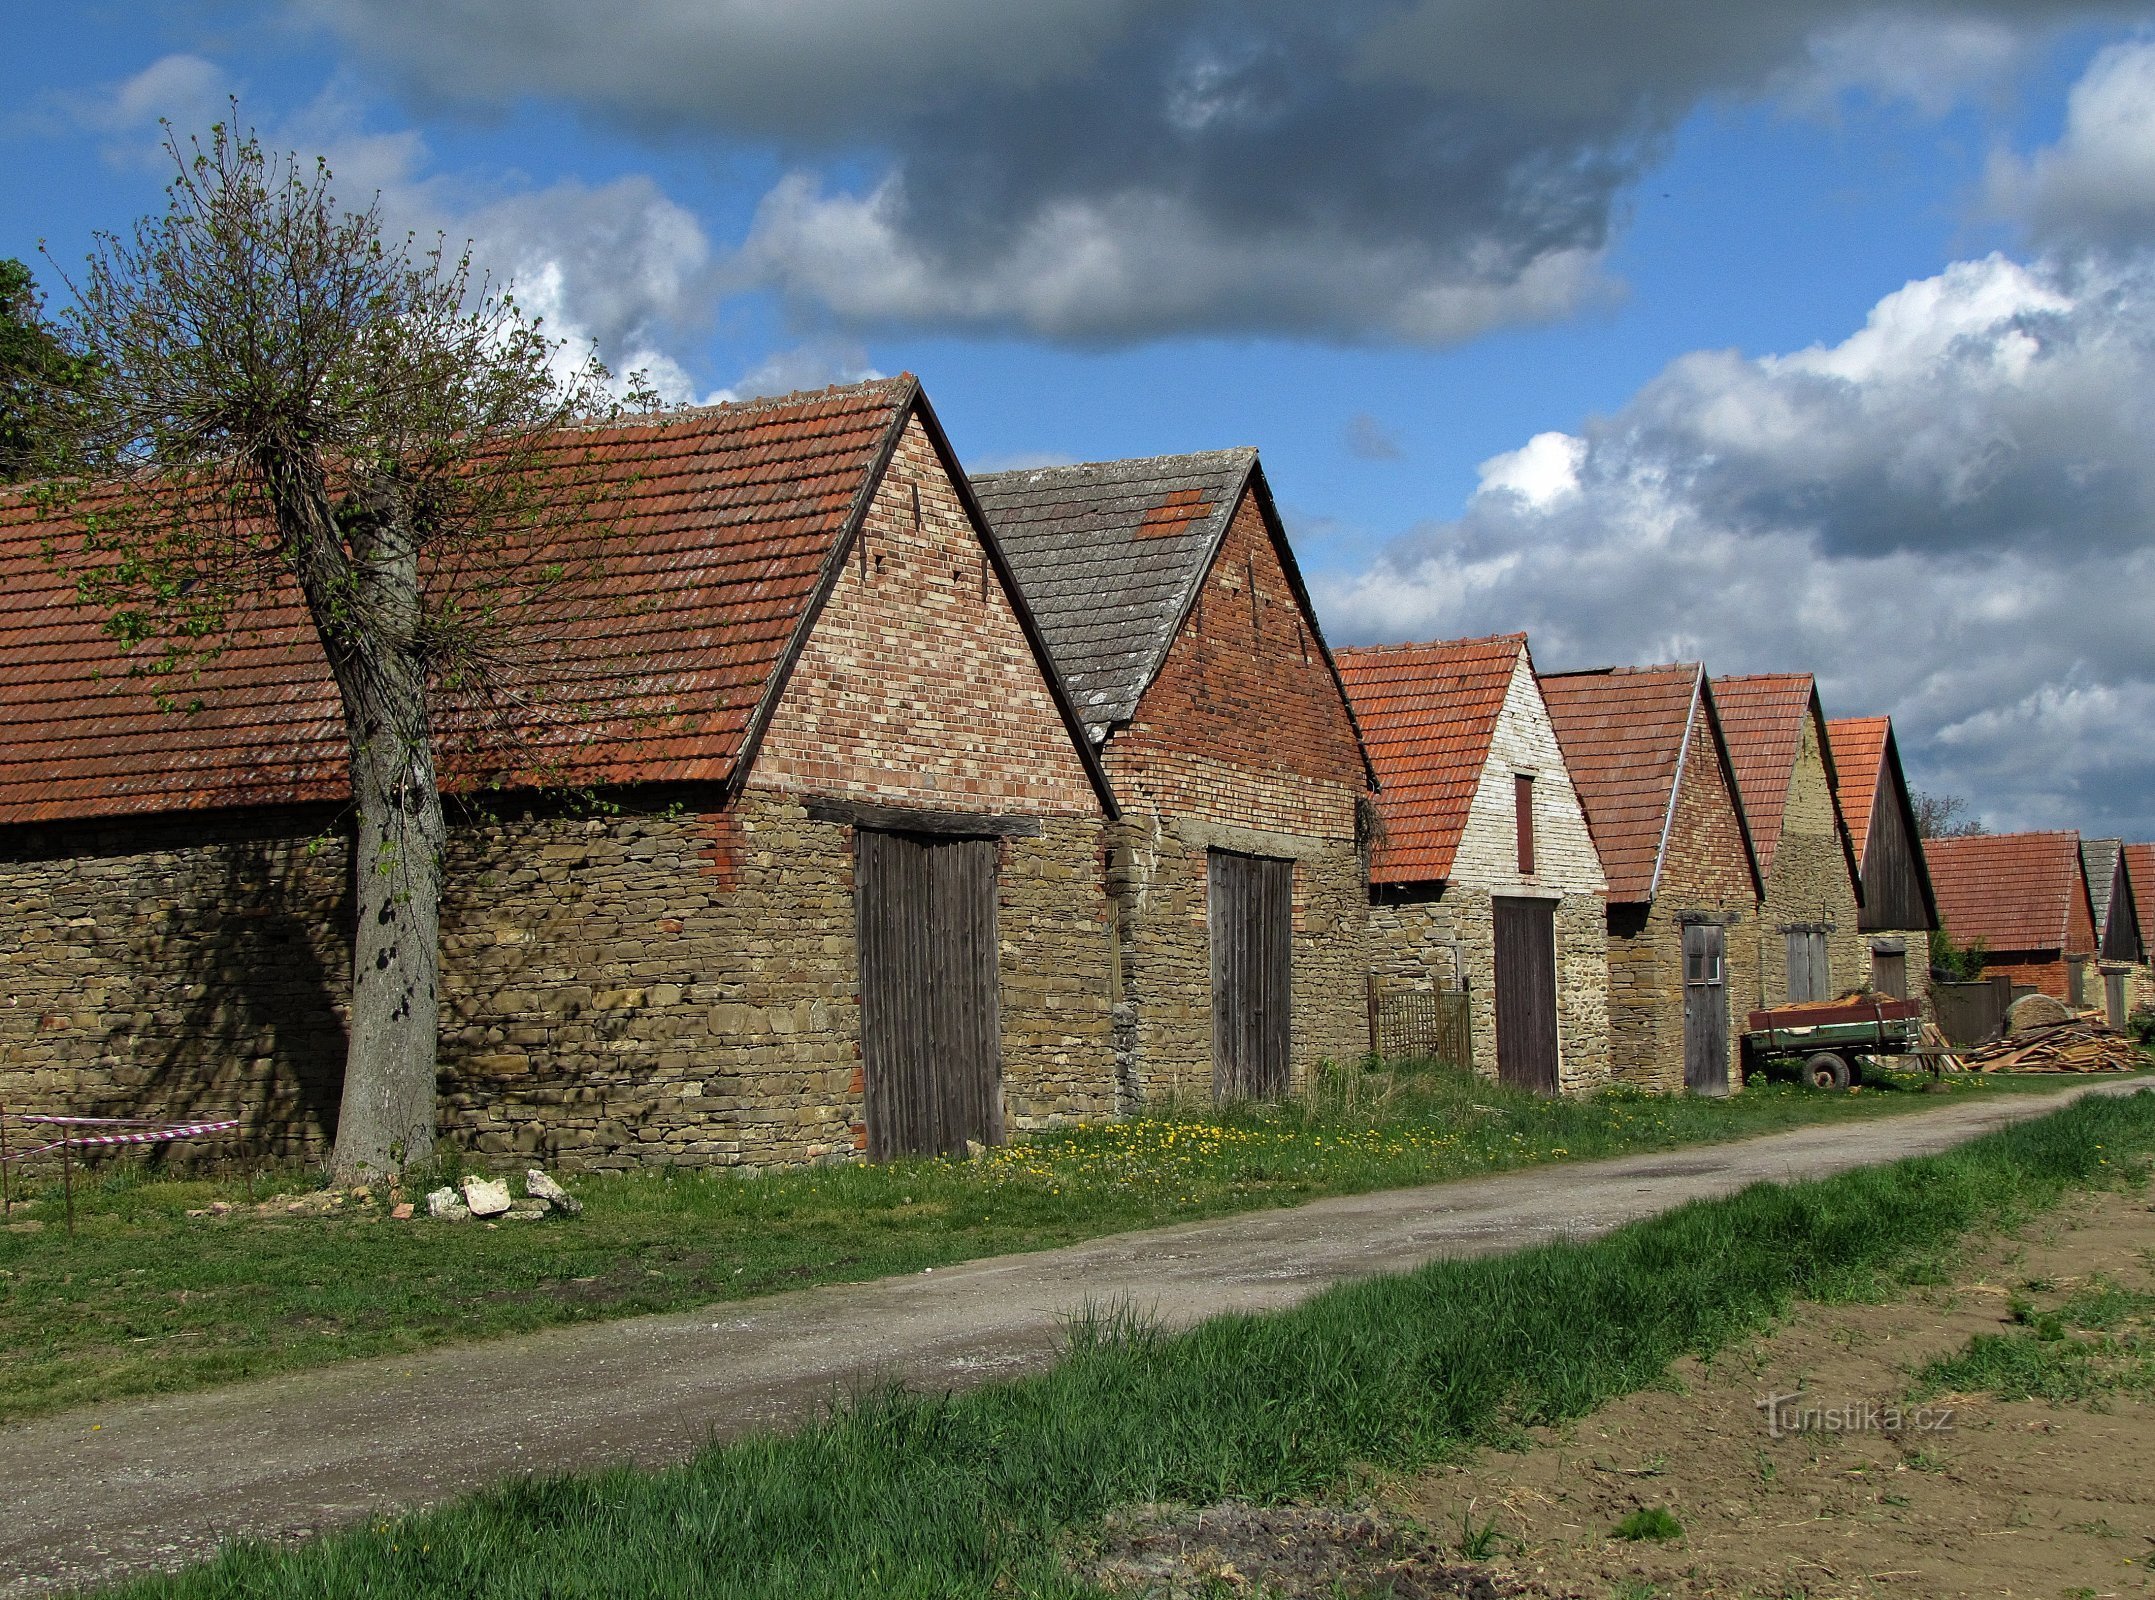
(2014, 891)
(1859, 766)
(714, 533)
(1427, 713)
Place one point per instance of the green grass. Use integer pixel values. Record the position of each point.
(1649, 1522)
(973, 1495)
(2100, 1341)
(146, 1300)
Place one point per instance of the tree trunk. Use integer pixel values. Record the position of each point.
(366, 606)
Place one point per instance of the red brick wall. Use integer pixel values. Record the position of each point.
(1705, 856)
(1244, 723)
(917, 685)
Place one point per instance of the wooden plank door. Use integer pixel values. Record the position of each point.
(1250, 906)
(1705, 1008)
(931, 1010)
(1889, 973)
(2114, 998)
(1809, 975)
(1526, 993)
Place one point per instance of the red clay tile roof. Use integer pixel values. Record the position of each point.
(1623, 732)
(1859, 763)
(719, 527)
(2014, 891)
(1427, 712)
(2140, 872)
(1762, 719)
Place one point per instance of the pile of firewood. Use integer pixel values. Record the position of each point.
(2080, 1045)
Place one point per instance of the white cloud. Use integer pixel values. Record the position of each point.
(2096, 185)
(618, 267)
(189, 91)
(1949, 516)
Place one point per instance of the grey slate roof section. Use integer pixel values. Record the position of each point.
(1109, 564)
(2100, 858)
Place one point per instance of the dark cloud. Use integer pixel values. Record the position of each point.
(1109, 170)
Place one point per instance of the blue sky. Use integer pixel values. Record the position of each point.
(1390, 248)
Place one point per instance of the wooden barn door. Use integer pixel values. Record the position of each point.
(1809, 976)
(2114, 998)
(931, 1011)
(1705, 1008)
(1250, 904)
(1526, 993)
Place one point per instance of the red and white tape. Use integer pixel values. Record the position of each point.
(137, 1131)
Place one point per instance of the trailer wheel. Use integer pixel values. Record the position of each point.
(1829, 1071)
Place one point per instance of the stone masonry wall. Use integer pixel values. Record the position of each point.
(191, 966)
(1808, 884)
(1242, 742)
(1704, 877)
(661, 984)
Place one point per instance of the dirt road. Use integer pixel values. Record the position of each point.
(104, 1491)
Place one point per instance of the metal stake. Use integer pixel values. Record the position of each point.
(7, 1202)
(67, 1179)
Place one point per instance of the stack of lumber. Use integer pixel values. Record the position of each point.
(2080, 1045)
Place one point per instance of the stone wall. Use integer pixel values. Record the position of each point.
(1704, 877)
(191, 966)
(661, 984)
(1242, 742)
(1808, 885)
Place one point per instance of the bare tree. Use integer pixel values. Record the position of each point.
(1944, 816)
(279, 396)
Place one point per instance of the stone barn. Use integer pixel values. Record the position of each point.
(2025, 896)
(1645, 751)
(1173, 607)
(2140, 878)
(1483, 874)
(1899, 909)
(1810, 942)
(2118, 947)
(828, 882)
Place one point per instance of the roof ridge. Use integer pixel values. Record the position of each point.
(1518, 638)
(1244, 451)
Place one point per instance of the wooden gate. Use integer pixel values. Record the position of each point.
(1972, 1013)
(1526, 993)
(1421, 1025)
(1705, 1008)
(1810, 977)
(931, 1012)
(1250, 905)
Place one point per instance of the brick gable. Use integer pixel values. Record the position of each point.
(916, 684)
(1245, 715)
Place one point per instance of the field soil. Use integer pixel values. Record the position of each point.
(1979, 1497)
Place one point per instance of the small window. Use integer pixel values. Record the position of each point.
(1523, 811)
(1702, 963)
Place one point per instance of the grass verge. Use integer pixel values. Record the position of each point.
(2100, 1341)
(145, 1299)
(973, 1495)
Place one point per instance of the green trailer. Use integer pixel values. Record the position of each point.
(1824, 1040)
